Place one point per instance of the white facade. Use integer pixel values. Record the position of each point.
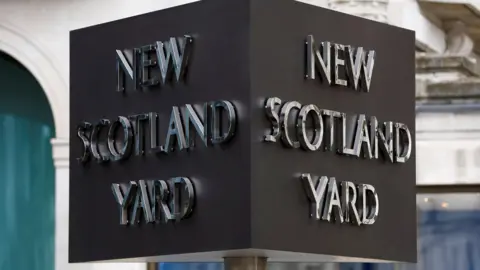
(36, 33)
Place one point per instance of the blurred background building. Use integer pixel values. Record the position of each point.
(34, 112)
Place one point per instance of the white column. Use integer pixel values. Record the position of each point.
(369, 9)
(60, 159)
(61, 162)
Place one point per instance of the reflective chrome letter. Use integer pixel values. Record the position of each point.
(369, 212)
(217, 120)
(192, 118)
(315, 60)
(141, 202)
(175, 132)
(160, 195)
(272, 115)
(146, 63)
(349, 198)
(386, 139)
(355, 68)
(124, 199)
(332, 199)
(330, 128)
(315, 193)
(81, 130)
(284, 117)
(339, 62)
(154, 145)
(317, 128)
(94, 143)
(123, 68)
(127, 138)
(170, 53)
(403, 144)
(361, 139)
(182, 206)
(139, 129)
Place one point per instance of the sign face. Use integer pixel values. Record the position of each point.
(242, 128)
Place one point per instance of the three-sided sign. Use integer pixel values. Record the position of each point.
(242, 128)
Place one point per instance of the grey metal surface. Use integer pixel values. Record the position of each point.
(249, 200)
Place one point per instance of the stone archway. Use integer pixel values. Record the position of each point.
(40, 62)
(20, 46)
(27, 172)
(15, 43)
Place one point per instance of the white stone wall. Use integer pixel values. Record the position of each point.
(448, 148)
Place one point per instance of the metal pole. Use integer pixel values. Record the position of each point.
(245, 263)
(152, 266)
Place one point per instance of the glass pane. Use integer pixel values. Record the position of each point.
(449, 231)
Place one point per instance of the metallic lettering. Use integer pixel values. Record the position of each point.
(316, 60)
(349, 198)
(315, 193)
(160, 196)
(317, 128)
(175, 133)
(127, 138)
(284, 117)
(82, 129)
(173, 56)
(146, 64)
(124, 197)
(402, 154)
(139, 129)
(94, 142)
(370, 205)
(200, 126)
(272, 115)
(386, 138)
(359, 137)
(357, 64)
(359, 72)
(154, 145)
(330, 128)
(332, 201)
(343, 134)
(182, 207)
(142, 202)
(330, 204)
(217, 108)
(155, 200)
(124, 68)
(138, 65)
(339, 62)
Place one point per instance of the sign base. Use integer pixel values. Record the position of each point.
(272, 255)
(245, 263)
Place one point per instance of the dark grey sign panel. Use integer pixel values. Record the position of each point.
(242, 128)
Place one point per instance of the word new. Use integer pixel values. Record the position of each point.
(332, 59)
(154, 64)
(353, 204)
(158, 201)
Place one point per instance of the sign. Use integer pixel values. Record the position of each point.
(242, 128)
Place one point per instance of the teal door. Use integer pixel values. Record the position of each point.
(27, 187)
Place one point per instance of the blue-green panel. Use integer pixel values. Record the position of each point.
(27, 181)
